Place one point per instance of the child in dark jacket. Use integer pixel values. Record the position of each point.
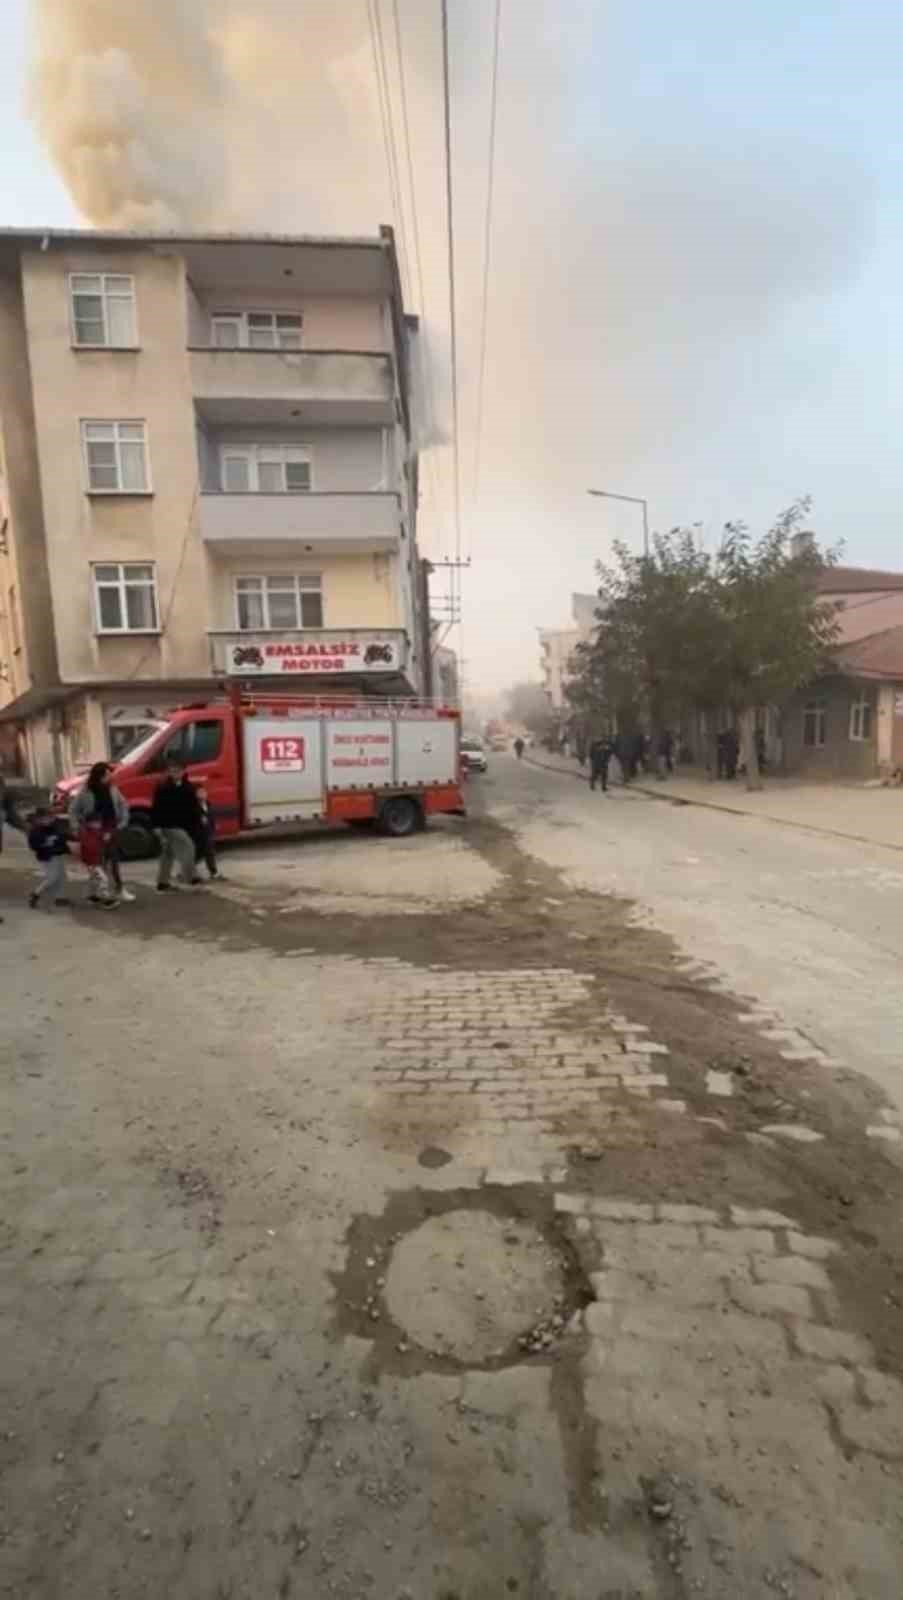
(47, 843)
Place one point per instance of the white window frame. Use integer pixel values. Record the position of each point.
(255, 455)
(862, 711)
(121, 585)
(117, 441)
(819, 708)
(309, 582)
(105, 294)
(240, 320)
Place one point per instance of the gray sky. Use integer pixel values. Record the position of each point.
(697, 247)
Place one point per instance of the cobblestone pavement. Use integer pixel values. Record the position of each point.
(222, 1118)
(717, 1340)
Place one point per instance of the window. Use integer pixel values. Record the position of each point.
(195, 743)
(125, 597)
(814, 724)
(116, 457)
(283, 603)
(265, 469)
(861, 719)
(103, 310)
(256, 330)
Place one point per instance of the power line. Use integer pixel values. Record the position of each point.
(374, 18)
(452, 313)
(487, 248)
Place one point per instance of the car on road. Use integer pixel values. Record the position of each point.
(473, 755)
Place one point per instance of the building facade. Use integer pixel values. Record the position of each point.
(556, 647)
(207, 473)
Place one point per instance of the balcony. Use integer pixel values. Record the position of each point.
(268, 524)
(357, 656)
(293, 386)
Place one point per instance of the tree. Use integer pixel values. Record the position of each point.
(680, 628)
(528, 704)
(779, 631)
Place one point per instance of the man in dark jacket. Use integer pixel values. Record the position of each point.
(600, 754)
(176, 816)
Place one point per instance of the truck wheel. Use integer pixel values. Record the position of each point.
(400, 816)
(137, 840)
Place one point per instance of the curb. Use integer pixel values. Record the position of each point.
(731, 811)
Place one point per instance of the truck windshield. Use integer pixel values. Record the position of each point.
(140, 748)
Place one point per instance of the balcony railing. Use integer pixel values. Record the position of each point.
(310, 385)
(349, 523)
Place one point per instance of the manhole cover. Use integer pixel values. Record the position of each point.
(467, 1283)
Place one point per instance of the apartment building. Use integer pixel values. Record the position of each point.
(206, 473)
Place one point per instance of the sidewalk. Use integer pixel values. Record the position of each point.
(848, 811)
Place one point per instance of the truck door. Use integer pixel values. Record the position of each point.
(206, 745)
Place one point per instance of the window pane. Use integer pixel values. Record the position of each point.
(225, 335)
(99, 431)
(289, 339)
(250, 611)
(281, 582)
(108, 607)
(133, 431)
(138, 573)
(106, 574)
(141, 609)
(204, 741)
(260, 319)
(119, 285)
(270, 478)
(236, 474)
(102, 472)
(132, 461)
(286, 320)
(310, 580)
(297, 476)
(283, 610)
(252, 585)
(311, 611)
(89, 319)
(121, 321)
(261, 338)
(86, 283)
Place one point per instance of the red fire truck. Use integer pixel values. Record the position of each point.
(288, 759)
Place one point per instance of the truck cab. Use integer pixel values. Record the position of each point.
(204, 739)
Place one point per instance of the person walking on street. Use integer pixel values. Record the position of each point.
(666, 753)
(47, 843)
(97, 814)
(600, 754)
(204, 848)
(731, 753)
(176, 816)
(519, 748)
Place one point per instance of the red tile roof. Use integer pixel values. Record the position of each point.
(880, 655)
(856, 580)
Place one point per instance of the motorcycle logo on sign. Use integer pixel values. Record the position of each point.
(247, 655)
(378, 652)
(282, 755)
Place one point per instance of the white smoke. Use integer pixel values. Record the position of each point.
(210, 113)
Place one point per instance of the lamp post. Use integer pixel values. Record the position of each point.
(633, 500)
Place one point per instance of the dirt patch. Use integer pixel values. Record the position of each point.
(519, 1235)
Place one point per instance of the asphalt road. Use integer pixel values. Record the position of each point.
(810, 926)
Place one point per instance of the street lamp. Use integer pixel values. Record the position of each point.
(633, 500)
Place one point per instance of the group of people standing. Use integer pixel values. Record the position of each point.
(635, 752)
(180, 817)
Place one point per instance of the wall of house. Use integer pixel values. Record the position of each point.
(349, 459)
(149, 384)
(841, 756)
(26, 570)
(339, 323)
(358, 591)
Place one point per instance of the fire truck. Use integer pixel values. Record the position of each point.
(277, 760)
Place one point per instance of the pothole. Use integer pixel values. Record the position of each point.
(461, 1279)
(468, 1284)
